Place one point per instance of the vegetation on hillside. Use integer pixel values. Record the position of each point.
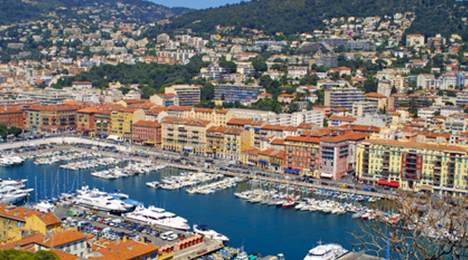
(144, 11)
(298, 16)
(150, 77)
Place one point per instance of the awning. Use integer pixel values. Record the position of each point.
(209, 152)
(426, 187)
(85, 130)
(292, 170)
(326, 175)
(188, 148)
(149, 142)
(389, 183)
(265, 162)
(214, 147)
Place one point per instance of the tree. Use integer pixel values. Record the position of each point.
(259, 64)
(423, 226)
(15, 130)
(230, 65)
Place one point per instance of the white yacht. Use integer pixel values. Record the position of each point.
(158, 216)
(209, 233)
(14, 183)
(326, 252)
(99, 200)
(44, 206)
(153, 184)
(11, 195)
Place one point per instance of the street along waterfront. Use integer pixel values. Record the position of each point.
(259, 228)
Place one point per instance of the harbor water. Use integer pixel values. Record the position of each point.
(262, 229)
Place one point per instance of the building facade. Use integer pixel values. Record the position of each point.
(414, 166)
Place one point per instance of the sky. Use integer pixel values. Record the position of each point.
(195, 4)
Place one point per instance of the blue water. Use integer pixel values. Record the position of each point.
(259, 228)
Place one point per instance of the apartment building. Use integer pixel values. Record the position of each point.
(185, 135)
(243, 94)
(12, 116)
(301, 155)
(13, 218)
(362, 108)
(57, 119)
(189, 95)
(414, 166)
(121, 121)
(165, 100)
(146, 132)
(343, 97)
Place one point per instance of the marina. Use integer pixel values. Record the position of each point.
(291, 232)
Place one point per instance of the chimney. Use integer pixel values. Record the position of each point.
(130, 248)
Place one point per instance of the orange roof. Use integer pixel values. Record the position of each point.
(343, 118)
(167, 95)
(374, 95)
(218, 129)
(185, 121)
(234, 131)
(251, 151)
(274, 127)
(23, 242)
(86, 110)
(63, 238)
(302, 139)
(21, 214)
(277, 141)
(363, 128)
(243, 122)
(180, 108)
(338, 109)
(339, 138)
(147, 123)
(64, 256)
(126, 250)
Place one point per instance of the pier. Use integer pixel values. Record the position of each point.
(284, 181)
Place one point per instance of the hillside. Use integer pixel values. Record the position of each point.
(122, 10)
(297, 16)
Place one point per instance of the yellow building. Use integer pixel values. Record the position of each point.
(14, 221)
(181, 134)
(121, 120)
(217, 116)
(413, 166)
(236, 141)
(215, 141)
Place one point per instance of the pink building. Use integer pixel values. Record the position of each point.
(337, 152)
(147, 132)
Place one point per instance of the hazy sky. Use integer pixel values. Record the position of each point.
(196, 4)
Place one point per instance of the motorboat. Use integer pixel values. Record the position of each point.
(153, 184)
(95, 199)
(44, 206)
(242, 255)
(326, 252)
(12, 195)
(209, 233)
(158, 216)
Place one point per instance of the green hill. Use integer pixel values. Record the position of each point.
(137, 11)
(297, 16)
